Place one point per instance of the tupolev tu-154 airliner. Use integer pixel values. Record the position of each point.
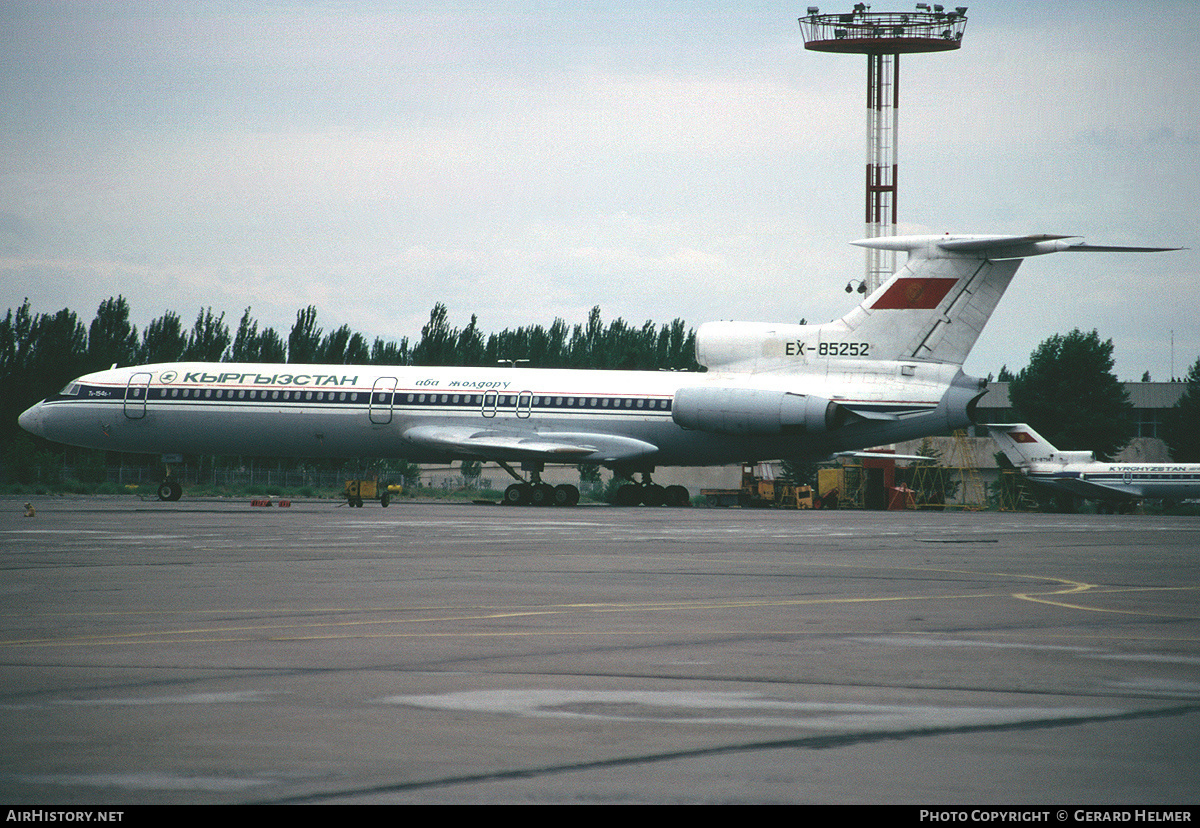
(889, 370)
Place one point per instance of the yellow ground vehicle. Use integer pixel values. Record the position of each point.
(761, 490)
(357, 491)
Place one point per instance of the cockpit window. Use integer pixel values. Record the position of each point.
(72, 390)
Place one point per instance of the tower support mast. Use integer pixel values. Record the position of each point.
(883, 37)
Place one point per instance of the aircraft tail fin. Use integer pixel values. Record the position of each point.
(935, 307)
(1020, 443)
(1023, 446)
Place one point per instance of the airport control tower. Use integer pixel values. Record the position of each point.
(883, 37)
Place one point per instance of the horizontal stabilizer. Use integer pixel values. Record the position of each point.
(1106, 248)
(997, 247)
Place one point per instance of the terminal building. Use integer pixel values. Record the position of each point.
(1151, 401)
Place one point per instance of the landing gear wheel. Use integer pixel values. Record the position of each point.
(678, 496)
(629, 495)
(566, 495)
(517, 494)
(542, 495)
(654, 495)
(165, 491)
(385, 499)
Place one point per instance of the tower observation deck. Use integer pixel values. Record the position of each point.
(883, 37)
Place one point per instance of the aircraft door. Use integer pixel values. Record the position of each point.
(379, 409)
(491, 399)
(136, 392)
(524, 404)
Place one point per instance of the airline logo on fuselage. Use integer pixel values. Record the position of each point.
(914, 294)
(255, 378)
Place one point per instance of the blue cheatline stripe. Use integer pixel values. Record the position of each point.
(401, 400)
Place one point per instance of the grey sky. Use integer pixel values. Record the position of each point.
(529, 160)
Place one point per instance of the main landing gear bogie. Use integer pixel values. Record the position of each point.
(652, 494)
(534, 492)
(541, 494)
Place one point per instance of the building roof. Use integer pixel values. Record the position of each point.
(1141, 394)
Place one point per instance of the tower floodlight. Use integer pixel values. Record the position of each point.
(883, 37)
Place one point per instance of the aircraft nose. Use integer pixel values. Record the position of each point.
(31, 420)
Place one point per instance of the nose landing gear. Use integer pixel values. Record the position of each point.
(170, 490)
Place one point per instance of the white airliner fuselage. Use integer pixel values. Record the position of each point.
(1080, 474)
(439, 414)
(885, 372)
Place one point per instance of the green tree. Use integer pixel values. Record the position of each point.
(469, 346)
(111, 339)
(304, 343)
(271, 347)
(389, 353)
(437, 340)
(333, 347)
(163, 340)
(209, 340)
(245, 341)
(1069, 394)
(1181, 425)
(251, 346)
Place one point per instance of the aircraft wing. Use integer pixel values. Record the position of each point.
(556, 447)
(1087, 489)
(885, 456)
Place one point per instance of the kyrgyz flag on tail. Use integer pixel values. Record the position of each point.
(922, 293)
